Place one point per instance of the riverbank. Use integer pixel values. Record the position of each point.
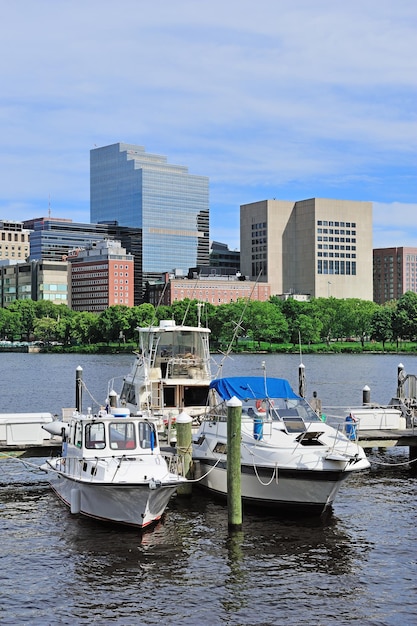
(336, 347)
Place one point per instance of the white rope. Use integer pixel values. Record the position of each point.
(197, 480)
(274, 473)
(22, 461)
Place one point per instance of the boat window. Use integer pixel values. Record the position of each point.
(95, 438)
(294, 424)
(78, 435)
(169, 396)
(196, 396)
(122, 435)
(128, 393)
(147, 437)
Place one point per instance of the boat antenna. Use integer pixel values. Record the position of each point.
(238, 325)
(154, 318)
(189, 303)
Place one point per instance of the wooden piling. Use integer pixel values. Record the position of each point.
(184, 450)
(79, 389)
(234, 491)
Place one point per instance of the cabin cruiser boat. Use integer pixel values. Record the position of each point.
(290, 459)
(111, 468)
(170, 374)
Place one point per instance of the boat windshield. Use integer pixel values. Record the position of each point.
(281, 409)
(122, 435)
(184, 344)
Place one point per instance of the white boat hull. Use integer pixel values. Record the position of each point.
(135, 505)
(277, 488)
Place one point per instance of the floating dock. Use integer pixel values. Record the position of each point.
(20, 432)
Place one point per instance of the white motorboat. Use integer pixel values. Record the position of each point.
(111, 468)
(170, 374)
(290, 459)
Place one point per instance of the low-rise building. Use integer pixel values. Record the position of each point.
(101, 275)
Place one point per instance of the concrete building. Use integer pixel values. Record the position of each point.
(169, 205)
(215, 289)
(395, 273)
(34, 280)
(100, 276)
(317, 247)
(14, 241)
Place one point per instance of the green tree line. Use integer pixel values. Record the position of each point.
(320, 320)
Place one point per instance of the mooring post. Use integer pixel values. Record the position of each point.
(301, 380)
(79, 389)
(113, 399)
(400, 380)
(366, 395)
(184, 450)
(234, 491)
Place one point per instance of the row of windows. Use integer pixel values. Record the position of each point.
(331, 231)
(338, 239)
(330, 246)
(340, 255)
(102, 267)
(53, 287)
(341, 224)
(14, 237)
(101, 289)
(336, 267)
(90, 282)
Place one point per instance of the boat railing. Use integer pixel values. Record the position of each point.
(185, 367)
(175, 462)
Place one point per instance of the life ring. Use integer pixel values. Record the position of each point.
(261, 405)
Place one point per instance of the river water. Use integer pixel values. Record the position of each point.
(357, 566)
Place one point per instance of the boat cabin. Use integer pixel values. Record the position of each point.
(112, 434)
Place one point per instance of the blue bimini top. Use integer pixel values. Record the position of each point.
(256, 387)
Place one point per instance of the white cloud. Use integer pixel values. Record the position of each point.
(269, 99)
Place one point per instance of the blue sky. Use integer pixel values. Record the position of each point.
(286, 99)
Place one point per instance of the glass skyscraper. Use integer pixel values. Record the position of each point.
(171, 207)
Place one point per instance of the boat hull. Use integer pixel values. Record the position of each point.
(134, 505)
(289, 490)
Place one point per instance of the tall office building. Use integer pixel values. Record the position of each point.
(395, 273)
(169, 205)
(319, 247)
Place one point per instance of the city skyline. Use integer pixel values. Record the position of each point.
(269, 100)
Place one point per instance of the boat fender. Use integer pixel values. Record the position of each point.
(154, 484)
(75, 501)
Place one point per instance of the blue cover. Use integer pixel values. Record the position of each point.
(256, 387)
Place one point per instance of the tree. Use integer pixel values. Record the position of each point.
(84, 327)
(45, 329)
(381, 324)
(114, 322)
(25, 313)
(265, 322)
(406, 316)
